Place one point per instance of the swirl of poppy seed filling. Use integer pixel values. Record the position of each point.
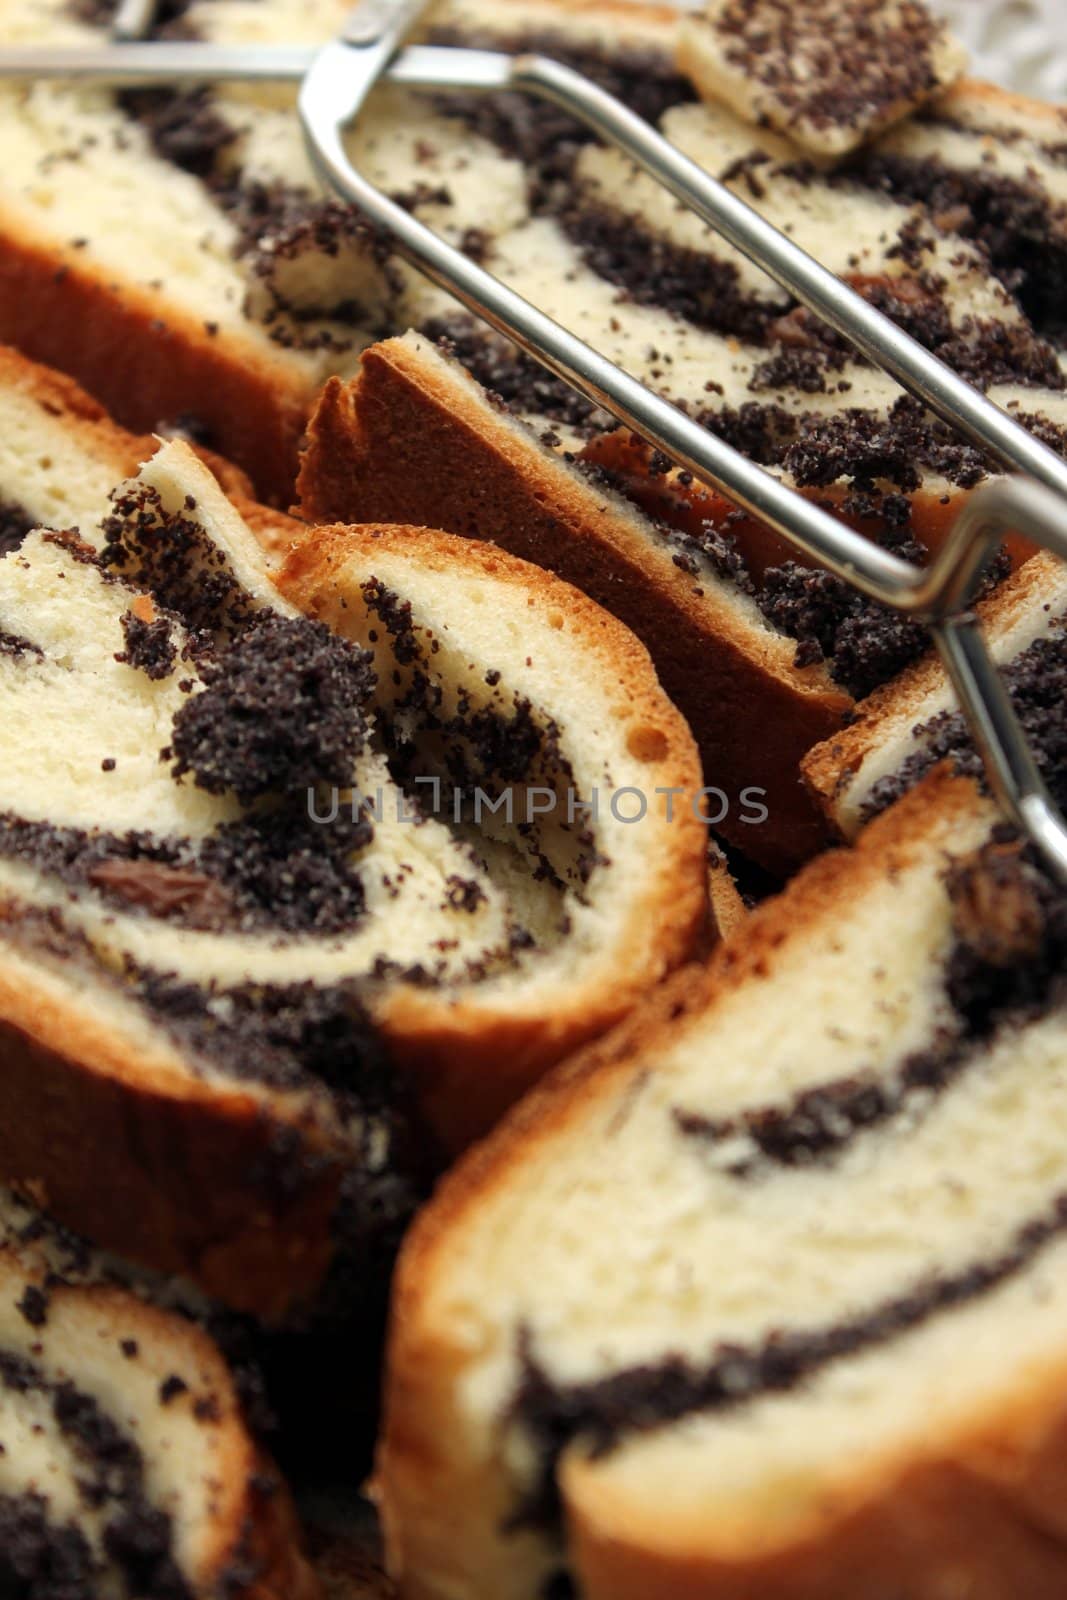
(280, 708)
(43, 1560)
(272, 705)
(284, 711)
(39, 1559)
(270, 708)
(108, 1531)
(1007, 967)
(1022, 230)
(290, 1037)
(480, 752)
(602, 1414)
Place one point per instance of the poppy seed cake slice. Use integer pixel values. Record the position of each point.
(286, 908)
(765, 1295)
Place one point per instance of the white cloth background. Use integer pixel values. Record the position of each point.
(1020, 44)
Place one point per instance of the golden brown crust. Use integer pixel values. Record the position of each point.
(728, 909)
(99, 436)
(149, 363)
(411, 441)
(252, 1545)
(979, 1515)
(966, 91)
(623, 11)
(199, 1181)
(625, 20)
(471, 1054)
(193, 1177)
(273, 1544)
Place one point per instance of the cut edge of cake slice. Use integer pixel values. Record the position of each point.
(859, 771)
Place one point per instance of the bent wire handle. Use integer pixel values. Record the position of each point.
(330, 102)
(344, 72)
(1006, 505)
(137, 63)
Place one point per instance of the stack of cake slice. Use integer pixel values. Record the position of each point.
(321, 844)
(316, 849)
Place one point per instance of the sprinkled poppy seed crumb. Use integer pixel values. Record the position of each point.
(283, 711)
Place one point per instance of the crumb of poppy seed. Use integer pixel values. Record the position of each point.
(395, 615)
(34, 1306)
(173, 559)
(464, 894)
(183, 127)
(171, 1388)
(283, 710)
(863, 643)
(150, 646)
